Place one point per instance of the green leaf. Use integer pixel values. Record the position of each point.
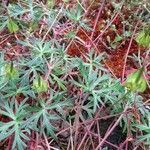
(118, 38)
(59, 82)
(16, 125)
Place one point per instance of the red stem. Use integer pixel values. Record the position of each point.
(98, 15)
(108, 25)
(127, 53)
(113, 127)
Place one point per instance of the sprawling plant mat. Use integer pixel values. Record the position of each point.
(74, 75)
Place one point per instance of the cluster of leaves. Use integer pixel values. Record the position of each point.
(34, 88)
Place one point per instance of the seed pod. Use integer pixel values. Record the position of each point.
(40, 85)
(143, 38)
(136, 82)
(10, 71)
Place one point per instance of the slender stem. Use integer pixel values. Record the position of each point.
(88, 129)
(113, 127)
(108, 25)
(47, 144)
(127, 53)
(98, 15)
(52, 23)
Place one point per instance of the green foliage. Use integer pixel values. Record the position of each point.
(16, 127)
(145, 129)
(14, 20)
(42, 118)
(116, 40)
(12, 90)
(94, 80)
(42, 86)
(76, 14)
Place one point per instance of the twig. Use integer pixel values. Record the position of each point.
(108, 25)
(113, 127)
(89, 129)
(47, 144)
(97, 135)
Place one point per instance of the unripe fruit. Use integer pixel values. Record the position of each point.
(40, 85)
(136, 82)
(10, 71)
(143, 38)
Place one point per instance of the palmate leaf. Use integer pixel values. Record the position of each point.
(60, 82)
(45, 117)
(16, 127)
(18, 139)
(145, 129)
(75, 14)
(12, 90)
(44, 114)
(6, 129)
(15, 10)
(3, 22)
(91, 81)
